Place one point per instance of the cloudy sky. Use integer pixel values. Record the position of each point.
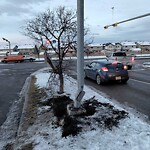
(98, 13)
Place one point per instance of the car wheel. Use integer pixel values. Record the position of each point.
(98, 80)
(129, 67)
(31, 60)
(5, 61)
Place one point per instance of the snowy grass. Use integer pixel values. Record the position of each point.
(133, 133)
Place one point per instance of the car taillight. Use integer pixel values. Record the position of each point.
(132, 59)
(125, 67)
(104, 69)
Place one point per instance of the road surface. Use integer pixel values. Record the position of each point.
(12, 79)
(136, 93)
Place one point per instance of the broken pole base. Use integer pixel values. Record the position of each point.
(73, 111)
(79, 96)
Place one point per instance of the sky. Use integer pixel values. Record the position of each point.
(97, 14)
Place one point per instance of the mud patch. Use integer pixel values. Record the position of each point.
(28, 147)
(97, 115)
(9, 146)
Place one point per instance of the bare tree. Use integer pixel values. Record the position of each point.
(59, 27)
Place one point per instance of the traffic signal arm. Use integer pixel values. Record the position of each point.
(116, 24)
(106, 27)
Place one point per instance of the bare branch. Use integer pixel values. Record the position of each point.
(59, 25)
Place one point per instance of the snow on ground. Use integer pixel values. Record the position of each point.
(133, 132)
(146, 64)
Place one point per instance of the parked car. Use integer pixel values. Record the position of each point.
(29, 58)
(106, 70)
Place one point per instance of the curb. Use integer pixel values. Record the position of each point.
(24, 91)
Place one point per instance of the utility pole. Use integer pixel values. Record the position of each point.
(8, 45)
(76, 109)
(80, 53)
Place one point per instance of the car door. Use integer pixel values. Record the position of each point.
(94, 70)
(89, 69)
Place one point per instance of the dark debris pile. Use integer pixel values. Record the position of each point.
(98, 114)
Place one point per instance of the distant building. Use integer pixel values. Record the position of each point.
(126, 46)
(135, 50)
(110, 46)
(94, 48)
(118, 47)
(145, 46)
(26, 49)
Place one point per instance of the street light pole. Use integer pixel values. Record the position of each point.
(8, 45)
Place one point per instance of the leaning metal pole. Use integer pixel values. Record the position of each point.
(80, 53)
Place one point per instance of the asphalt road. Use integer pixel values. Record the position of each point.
(136, 93)
(12, 79)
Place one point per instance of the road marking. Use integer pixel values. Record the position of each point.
(140, 81)
(137, 69)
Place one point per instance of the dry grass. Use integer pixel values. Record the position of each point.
(34, 96)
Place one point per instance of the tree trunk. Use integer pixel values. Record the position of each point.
(61, 81)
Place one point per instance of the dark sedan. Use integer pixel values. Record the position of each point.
(106, 70)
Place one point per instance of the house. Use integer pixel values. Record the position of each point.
(135, 49)
(26, 49)
(110, 46)
(145, 46)
(94, 48)
(126, 46)
(118, 46)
